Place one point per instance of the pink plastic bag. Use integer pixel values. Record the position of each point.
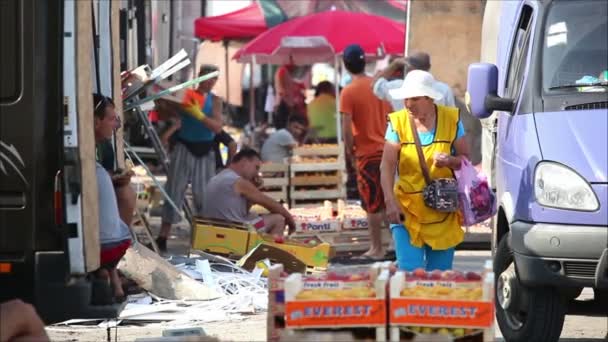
(477, 200)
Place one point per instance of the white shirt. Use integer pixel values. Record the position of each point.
(278, 146)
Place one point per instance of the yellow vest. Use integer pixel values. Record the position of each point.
(426, 225)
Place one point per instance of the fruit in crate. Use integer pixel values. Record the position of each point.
(332, 294)
(473, 276)
(449, 284)
(452, 332)
(300, 159)
(457, 332)
(318, 146)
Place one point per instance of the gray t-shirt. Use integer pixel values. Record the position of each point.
(222, 202)
(111, 228)
(278, 146)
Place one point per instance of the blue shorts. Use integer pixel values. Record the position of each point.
(411, 257)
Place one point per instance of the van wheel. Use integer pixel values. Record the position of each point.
(524, 313)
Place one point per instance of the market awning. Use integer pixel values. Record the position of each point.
(241, 24)
(261, 15)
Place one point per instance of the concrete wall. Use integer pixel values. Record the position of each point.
(450, 32)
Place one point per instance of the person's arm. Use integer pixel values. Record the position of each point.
(166, 135)
(380, 81)
(225, 139)
(255, 196)
(461, 150)
(19, 321)
(347, 135)
(216, 122)
(281, 83)
(231, 151)
(388, 166)
(213, 122)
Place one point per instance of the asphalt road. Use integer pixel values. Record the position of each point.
(577, 328)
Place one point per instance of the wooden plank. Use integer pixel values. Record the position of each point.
(274, 167)
(337, 166)
(153, 273)
(276, 195)
(317, 151)
(274, 182)
(116, 86)
(86, 143)
(318, 194)
(316, 180)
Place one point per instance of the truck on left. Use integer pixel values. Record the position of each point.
(53, 56)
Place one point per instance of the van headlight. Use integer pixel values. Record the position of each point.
(558, 186)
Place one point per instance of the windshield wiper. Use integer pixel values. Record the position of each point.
(566, 86)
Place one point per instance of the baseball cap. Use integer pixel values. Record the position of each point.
(353, 53)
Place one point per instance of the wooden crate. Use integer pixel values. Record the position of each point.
(333, 315)
(353, 241)
(318, 150)
(313, 183)
(275, 323)
(276, 181)
(476, 302)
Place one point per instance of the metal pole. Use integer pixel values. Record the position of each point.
(226, 73)
(337, 90)
(251, 94)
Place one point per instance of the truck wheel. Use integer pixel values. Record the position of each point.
(524, 313)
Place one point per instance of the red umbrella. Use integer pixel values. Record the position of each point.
(377, 36)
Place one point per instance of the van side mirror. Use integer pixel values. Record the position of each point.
(481, 98)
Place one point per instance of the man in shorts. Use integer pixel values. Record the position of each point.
(364, 125)
(114, 233)
(231, 193)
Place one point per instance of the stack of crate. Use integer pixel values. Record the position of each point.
(276, 180)
(317, 173)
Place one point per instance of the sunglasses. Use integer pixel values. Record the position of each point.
(104, 100)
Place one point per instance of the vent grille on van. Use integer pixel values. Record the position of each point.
(580, 269)
(584, 106)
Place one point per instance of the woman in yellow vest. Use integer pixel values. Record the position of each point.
(424, 237)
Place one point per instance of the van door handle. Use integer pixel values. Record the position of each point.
(12, 200)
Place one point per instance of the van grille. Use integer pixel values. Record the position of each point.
(580, 269)
(584, 106)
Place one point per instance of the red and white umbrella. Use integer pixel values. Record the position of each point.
(318, 37)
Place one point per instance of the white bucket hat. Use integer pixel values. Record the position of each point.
(417, 83)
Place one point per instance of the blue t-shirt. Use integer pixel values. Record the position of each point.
(426, 138)
(194, 130)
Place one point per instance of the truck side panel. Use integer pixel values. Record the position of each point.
(30, 134)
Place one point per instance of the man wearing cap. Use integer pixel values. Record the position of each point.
(364, 125)
(384, 81)
(424, 237)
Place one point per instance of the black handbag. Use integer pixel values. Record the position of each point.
(440, 194)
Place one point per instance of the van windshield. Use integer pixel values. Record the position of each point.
(575, 49)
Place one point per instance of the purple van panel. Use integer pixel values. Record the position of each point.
(539, 213)
(518, 154)
(577, 139)
(574, 138)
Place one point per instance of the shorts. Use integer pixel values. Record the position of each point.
(368, 183)
(111, 253)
